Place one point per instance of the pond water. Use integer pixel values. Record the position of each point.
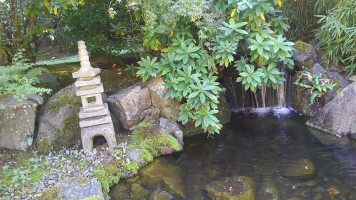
(261, 145)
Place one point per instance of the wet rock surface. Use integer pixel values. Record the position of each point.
(162, 172)
(232, 188)
(300, 169)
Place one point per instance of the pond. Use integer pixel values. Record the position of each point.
(259, 145)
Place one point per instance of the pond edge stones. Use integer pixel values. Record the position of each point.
(94, 115)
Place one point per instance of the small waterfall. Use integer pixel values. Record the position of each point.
(264, 96)
(281, 95)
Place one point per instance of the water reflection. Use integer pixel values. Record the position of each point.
(259, 146)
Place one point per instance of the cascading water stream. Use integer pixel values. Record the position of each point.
(263, 97)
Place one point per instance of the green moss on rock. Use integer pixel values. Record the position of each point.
(50, 194)
(131, 168)
(62, 101)
(302, 46)
(108, 175)
(146, 156)
(69, 135)
(154, 175)
(148, 137)
(43, 145)
(138, 192)
(232, 188)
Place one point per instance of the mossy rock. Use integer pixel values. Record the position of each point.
(74, 189)
(69, 135)
(108, 174)
(50, 194)
(147, 136)
(302, 46)
(138, 192)
(269, 191)
(300, 169)
(161, 195)
(232, 188)
(161, 172)
(120, 191)
(43, 145)
(59, 121)
(304, 55)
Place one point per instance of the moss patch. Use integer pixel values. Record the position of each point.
(146, 156)
(131, 168)
(148, 137)
(69, 135)
(43, 145)
(108, 174)
(62, 101)
(302, 46)
(50, 194)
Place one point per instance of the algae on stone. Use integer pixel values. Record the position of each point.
(148, 137)
(160, 171)
(69, 135)
(232, 188)
(302, 46)
(300, 169)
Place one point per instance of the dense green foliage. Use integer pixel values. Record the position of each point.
(20, 78)
(337, 32)
(192, 41)
(92, 23)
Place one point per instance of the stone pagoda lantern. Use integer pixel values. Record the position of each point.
(94, 115)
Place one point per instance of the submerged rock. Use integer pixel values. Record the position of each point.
(161, 195)
(161, 172)
(17, 121)
(59, 121)
(138, 192)
(269, 191)
(300, 169)
(337, 116)
(232, 188)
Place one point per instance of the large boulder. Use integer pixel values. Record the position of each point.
(132, 105)
(232, 188)
(304, 55)
(300, 169)
(59, 121)
(169, 107)
(75, 188)
(17, 121)
(337, 116)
